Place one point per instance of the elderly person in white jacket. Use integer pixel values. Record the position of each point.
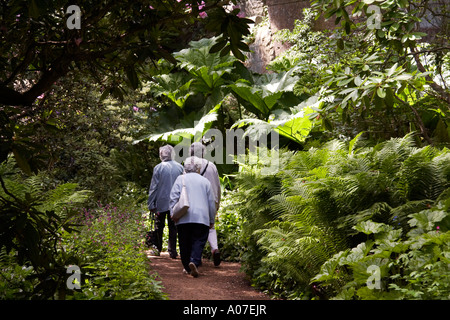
(193, 227)
(209, 171)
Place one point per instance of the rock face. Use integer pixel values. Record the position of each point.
(261, 47)
(273, 15)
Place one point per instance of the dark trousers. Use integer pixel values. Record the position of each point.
(192, 239)
(160, 223)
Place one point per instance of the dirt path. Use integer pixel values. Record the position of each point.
(224, 282)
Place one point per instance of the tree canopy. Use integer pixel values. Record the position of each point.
(113, 41)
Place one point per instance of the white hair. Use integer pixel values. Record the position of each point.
(197, 149)
(166, 152)
(192, 164)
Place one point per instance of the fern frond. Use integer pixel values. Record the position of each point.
(296, 251)
(420, 177)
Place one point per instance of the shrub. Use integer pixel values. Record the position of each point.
(112, 258)
(33, 215)
(300, 217)
(392, 265)
(229, 227)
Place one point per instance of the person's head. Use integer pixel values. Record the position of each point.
(192, 164)
(166, 152)
(197, 149)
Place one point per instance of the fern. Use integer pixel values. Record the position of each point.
(36, 190)
(420, 177)
(31, 222)
(300, 217)
(63, 198)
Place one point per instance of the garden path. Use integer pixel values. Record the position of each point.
(224, 282)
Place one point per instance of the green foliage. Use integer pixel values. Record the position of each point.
(381, 81)
(34, 214)
(207, 68)
(263, 93)
(175, 86)
(214, 77)
(320, 201)
(200, 76)
(115, 39)
(295, 125)
(90, 144)
(411, 266)
(386, 75)
(192, 127)
(362, 87)
(400, 19)
(233, 31)
(43, 231)
(310, 52)
(16, 280)
(83, 144)
(113, 263)
(229, 228)
(316, 228)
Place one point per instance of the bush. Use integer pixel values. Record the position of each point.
(112, 258)
(299, 218)
(391, 265)
(33, 215)
(229, 228)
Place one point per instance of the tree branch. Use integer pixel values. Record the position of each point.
(28, 57)
(419, 121)
(428, 51)
(442, 93)
(74, 53)
(2, 183)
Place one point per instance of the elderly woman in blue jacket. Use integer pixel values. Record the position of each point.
(193, 227)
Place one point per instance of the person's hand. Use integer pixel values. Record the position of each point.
(211, 225)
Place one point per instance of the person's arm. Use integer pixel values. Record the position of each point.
(151, 202)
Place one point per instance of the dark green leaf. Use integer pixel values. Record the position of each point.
(21, 160)
(218, 46)
(132, 77)
(33, 9)
(225, 51)
(389, 99)
(237, 53)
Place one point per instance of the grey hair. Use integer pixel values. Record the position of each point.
(192, 164)
(197, 149)
(166, 152)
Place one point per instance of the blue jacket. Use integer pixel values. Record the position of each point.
(164, 175)
(202, 203)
